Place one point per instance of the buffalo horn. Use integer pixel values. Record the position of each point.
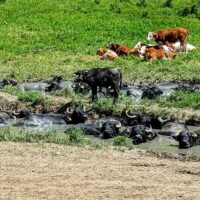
(160, 119)
(70, 110)
(81, 85)
(130, 116)
(149, 130)
(84, 108)
(73, 85)
(194, 134)
(118, 125)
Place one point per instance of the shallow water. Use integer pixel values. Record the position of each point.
(163, 144)
(135, 92)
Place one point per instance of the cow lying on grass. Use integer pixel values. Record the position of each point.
(106, 54)
(119, 49)
(156, 52)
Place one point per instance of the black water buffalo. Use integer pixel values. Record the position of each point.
(54, 84)
(102, 77)
(139, 134)
(186, 139)
(110, 129)
(89, 129)
(73, 116)
(151, 92)
(103, 128)
(172, 128)
(77, 114)
(150, 120)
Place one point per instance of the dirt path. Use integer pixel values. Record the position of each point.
(49, 171)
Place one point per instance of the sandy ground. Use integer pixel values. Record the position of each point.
(49, 171)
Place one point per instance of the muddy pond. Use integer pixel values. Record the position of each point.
(160, 144)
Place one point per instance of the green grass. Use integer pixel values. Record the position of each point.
(123, 141)
(30, 96)
(40, 39)
(74, 137)
(45, 38)
(181, 99)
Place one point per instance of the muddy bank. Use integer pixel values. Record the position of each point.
(77, 173)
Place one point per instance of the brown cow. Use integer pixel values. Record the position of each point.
(101, 51)
(119, 49)
(106, 54)
(170, 35)
(157, 52)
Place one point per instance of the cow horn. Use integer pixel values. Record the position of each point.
(118, 125)
(70, 110)
(132, 116)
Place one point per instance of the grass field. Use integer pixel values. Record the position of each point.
(40, 39)
(44, 38)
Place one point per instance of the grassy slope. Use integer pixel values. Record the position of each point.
(76, 29)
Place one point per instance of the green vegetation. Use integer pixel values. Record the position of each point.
(30, 96)
(123, 141)
(74, 137)
(44, 38)
(179, 99)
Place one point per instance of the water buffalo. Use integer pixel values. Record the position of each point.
(171, 128)
(139, 134)
(186, 139)
(102, 77)
(110, 129)
(103, 128)
(151, 92)
(149, 120)
(88, 128)
(77, 114)
(72, 116)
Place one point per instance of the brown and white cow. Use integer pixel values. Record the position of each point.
(170, 35)
(106, 54)
(109, 55)
(119, 49)
(101, 51)
(157, 52)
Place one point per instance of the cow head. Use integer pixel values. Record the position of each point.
(143, 50)
(152, 36)
(101, 51)
(113, 46)
(186, 139)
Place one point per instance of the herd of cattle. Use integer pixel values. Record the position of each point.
(168, 42)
